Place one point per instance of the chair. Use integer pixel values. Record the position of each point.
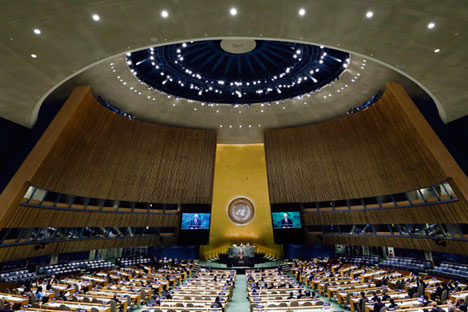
(294, 304)
(179, 305)
(35, 305)
(307, 304)
(282, 304)
(272, 305)
(320, 302)
(189, 305)
(363, 305)
(129, 300)
(94, 310)
(113, 306)
(86, 299)
(187, 298)
(444, 296)
(384, 309)
(95, 300)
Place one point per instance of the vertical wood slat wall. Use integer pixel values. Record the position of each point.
(91, 151)
(378, 151)
(105, 155)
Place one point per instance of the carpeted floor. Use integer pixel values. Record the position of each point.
(239, 302)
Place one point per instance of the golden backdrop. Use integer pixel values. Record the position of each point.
(240, 170)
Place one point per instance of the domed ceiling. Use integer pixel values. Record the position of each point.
(343, 81)
(237, 71)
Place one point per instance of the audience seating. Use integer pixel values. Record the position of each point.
(451, 270)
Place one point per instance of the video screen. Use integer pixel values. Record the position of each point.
(195, 221)
(286, 220)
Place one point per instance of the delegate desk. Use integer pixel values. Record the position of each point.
(322, 308)
(77, 305)
(373, 275)
(402, 304)
(365, 286)
(104, 299)
(352, 298)
(134, 296)
(18, 300)
(459, 295)
(183, 309)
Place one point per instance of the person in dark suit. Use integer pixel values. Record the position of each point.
(378, 305)
(435, 308)
(195, 223)
(393, 305)
(362, 299)
(286, 223)
(385, 297)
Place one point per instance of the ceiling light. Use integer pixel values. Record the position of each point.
(431, 25)
(96, 17)
(302, 12)
(164, 13)
(369, 14)
(436, 50)
(37, 31)
(233, 11)
(33, 55)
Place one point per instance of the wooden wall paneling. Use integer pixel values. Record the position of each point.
(26, 251)
(106, 155)
(455, 212)
(374, 152)
(29, 217)
(452, 246)
(14, 191)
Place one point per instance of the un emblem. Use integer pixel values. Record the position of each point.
(241, 210)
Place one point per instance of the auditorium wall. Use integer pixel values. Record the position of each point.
(90, 151)
(386, 149)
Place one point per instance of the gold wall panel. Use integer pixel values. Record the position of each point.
(240, 170)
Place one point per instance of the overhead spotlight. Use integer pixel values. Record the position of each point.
(96, 17)
(436, 50)
(431, 25)
(233, 11)
(302, 12)
(369, 14)
(164, 13)
(33, 55)
(37, 31)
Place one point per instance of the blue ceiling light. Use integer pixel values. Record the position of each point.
(237, 71)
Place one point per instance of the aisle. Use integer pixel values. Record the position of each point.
(239, 302)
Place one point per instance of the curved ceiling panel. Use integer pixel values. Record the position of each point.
(74, 36)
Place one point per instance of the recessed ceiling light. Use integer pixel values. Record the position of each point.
(164, 13)
(220, 126)
(96, 17)
(369, 14)
(37, 31)
(431, 25)
(302, 12)
(33, 55)
(436, 50)
(233, 11)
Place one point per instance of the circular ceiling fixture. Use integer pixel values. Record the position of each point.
(238, 71)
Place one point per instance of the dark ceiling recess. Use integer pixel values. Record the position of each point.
(237, 71)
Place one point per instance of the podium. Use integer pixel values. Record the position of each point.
(240, 256)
